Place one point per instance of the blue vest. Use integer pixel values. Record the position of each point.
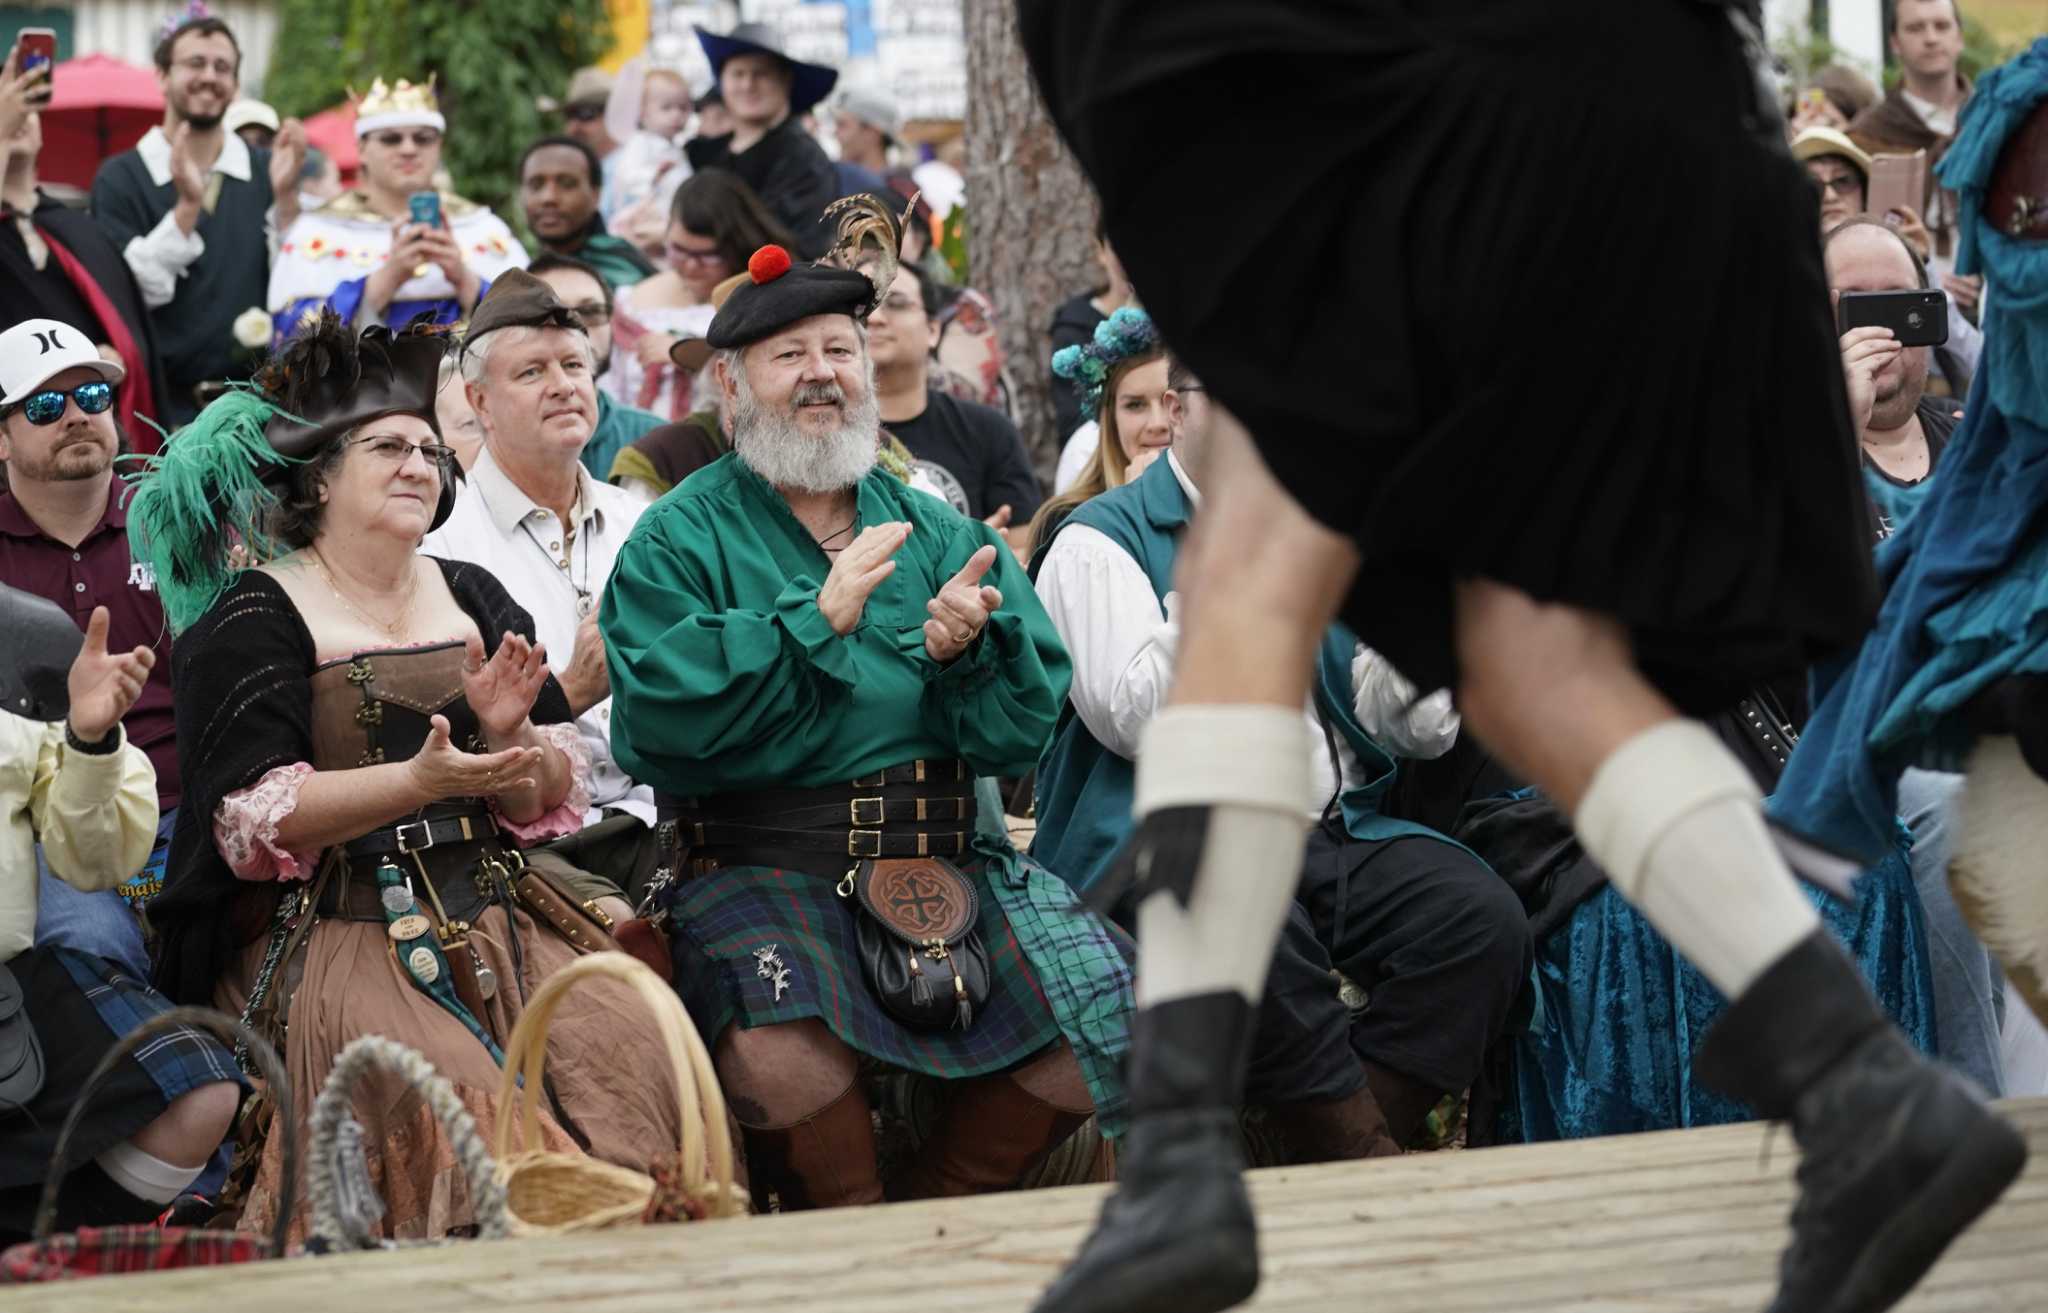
(1084, 789)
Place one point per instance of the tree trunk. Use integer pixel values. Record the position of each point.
(1031, 215)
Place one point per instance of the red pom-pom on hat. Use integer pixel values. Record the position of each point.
(768, 264)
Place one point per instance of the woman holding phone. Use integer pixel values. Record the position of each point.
(393, 248)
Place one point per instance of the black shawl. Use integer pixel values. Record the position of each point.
(240, 683)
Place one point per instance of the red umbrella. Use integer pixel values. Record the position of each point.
(334, 131)
(99, 107)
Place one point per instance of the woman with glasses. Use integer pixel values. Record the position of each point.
(715, 222)
(369, 736)
(395, 247)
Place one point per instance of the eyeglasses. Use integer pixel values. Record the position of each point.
(684, 255)
(902, 305)
(424, 138)
(47, 406)
(396, 451)
(583, 113)
(1841, 185)
(594, 314)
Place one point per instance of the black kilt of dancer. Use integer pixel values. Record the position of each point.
(1505, 290)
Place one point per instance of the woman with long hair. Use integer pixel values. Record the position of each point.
(715, 224)
(1121, 376)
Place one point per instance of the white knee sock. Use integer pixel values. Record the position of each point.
(1997, 870)
(1248, 763)
(145, 1175)
(1678, 824)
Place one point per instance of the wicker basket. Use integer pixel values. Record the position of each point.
(555, 1193)
(343, 1201)
(111, 1250)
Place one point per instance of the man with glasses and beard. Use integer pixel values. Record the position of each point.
(195, 210)
(64, 537)
(814, 663)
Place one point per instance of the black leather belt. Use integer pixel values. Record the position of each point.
(713, 838)
(420, 835)
(893, 812)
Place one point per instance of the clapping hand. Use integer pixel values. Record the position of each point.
(443, 770)
(860, 570)
(962, 608)
(287, 159)
(501, 691)
(104, 685)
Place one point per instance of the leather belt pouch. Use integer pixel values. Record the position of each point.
(21, 1053)
(562, 910)
(919, 947)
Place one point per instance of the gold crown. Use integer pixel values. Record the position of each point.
(400, 98)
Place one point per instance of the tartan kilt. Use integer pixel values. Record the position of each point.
(80, 1005)
(719, 922)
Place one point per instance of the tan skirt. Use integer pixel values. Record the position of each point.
(613, 1082)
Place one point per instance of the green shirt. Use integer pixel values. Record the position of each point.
(726, 676)
(618, 427)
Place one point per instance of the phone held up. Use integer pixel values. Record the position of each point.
(36, 48)
(426, 208)
(1917, 316)
(1896, 183)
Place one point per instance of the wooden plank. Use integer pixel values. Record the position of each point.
(1663, 1223)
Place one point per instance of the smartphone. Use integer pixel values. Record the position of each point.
(36, 47)
(1897, 182)
(1916, 317)
(426, 208)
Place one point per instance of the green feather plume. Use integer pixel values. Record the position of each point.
(202, 495)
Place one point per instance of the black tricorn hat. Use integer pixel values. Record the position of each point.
(778, 293)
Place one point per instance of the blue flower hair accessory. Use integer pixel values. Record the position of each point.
(1123, 336)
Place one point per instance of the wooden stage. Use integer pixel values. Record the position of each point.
(1688, 1220)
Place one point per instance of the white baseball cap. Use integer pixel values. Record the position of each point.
(35, 351)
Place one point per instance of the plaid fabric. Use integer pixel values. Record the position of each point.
(180, 1060)
(1084, 966)
(114, 1250)
(723, 924)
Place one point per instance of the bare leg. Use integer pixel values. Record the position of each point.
(156, 1164)
(795, 1091)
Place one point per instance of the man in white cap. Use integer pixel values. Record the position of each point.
(64, 537)
(253, 121)
(867, 122)
(766, 92)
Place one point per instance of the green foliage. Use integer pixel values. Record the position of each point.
(493, 57)
(954, 246)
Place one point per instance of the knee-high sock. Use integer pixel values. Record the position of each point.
(1678, 824)
(1248, 764)
(145, 1175)
(1997, 869)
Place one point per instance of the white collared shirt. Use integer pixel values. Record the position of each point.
(1940, 119)
(497, 526)
(1123, 641)
(160, 257)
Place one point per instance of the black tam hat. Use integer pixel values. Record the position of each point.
(851, 280)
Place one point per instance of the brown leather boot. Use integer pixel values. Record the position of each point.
(1405, 1100)
(991, 1133)
(827, 1160)
(1331, 1130)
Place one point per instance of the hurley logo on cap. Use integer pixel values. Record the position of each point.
(49, 342)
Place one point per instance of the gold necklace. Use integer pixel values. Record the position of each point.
(393, 628)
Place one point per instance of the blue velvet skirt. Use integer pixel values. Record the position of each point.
(1620, 1014)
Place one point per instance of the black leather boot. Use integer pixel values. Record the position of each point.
(1899, 1155)
(1177, 1236)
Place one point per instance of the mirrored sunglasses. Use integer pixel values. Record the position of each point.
(47, 406)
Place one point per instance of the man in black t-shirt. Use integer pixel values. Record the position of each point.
(972, 452)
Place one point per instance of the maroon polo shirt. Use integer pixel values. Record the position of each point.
(99, 572)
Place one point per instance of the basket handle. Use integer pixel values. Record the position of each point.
(700, 1101)
(367, 1053)
(223, 1027)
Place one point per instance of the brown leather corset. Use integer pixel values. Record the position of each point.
(376, 706)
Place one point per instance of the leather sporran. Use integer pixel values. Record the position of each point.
(918, 944)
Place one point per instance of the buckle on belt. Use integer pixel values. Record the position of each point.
(426, 830)
(853, 843)
(854, 815)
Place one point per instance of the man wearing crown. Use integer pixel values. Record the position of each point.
(394, 247)
(813, 663)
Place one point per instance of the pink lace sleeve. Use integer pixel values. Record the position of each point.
(566, 817)
(245, 827)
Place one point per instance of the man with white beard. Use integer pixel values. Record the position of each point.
(812, 663)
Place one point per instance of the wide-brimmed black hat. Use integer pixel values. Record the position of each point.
(779, 292)
(808, 83)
